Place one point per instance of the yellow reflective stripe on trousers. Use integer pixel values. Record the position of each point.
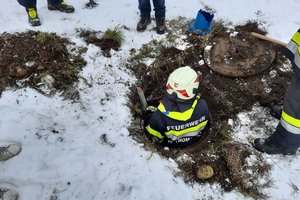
(181, 116)
(187, 130)
(154, 132)
(291, 120)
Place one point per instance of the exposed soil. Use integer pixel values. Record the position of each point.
(106, 44)
(43, 61)
(237, 53)
(38, 60)
(225, 96)
(237, 57)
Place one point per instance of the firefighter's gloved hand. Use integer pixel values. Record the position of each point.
(151, 108)
(149, 112)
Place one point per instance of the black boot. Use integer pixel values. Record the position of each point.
(267, 146)
(62, 6)
(142, 24)
(33, 17)
(276, 112)
(160, 26)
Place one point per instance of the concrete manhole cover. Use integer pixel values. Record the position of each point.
(240, 56)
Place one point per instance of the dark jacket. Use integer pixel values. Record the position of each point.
(179, 123)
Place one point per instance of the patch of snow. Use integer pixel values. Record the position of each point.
(201, 62)
(268, 90)
(208, 48)
(29, 63)
(180, 44)
(148, 61)
(233, 34)
(46, 83)
(286, 67)
(184, 158)
(285, 169)
(166, 148)
(73, 163)
(273, 73)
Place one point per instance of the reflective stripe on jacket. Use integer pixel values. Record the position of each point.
(292, 52)
(176, 126)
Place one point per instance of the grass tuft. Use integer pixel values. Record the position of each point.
(42, 37)
(114, 34)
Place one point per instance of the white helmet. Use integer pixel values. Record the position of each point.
(183, 82)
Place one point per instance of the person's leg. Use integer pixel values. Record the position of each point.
(286, 138)
(54, 2)
(30, 6)
(287, 133)
(60, 5)
(28, 3)
(160, 9)
(145, 9)
(160, 14)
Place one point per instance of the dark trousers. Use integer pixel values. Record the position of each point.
(32, 3)
(285, 139)
(283, 136)
(159, 8)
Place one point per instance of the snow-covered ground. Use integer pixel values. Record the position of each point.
(63, 154)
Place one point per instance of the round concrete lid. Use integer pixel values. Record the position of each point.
(239, 57)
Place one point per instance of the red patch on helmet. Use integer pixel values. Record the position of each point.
(169, 87)
(183, 93)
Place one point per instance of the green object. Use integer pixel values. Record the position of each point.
(144, 103)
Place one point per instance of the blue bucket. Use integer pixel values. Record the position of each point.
(202, 25)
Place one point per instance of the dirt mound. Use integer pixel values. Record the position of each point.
(111, 39)
(38, 60)
(225, 96)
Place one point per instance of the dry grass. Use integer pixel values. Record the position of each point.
(232, 154)
(229, 159)
(248, 184)
(295, 189)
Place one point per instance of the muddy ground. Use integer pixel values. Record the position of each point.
(110, 39)
(226, 96)
(47, 62)
(50, 64)
(43, 61)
